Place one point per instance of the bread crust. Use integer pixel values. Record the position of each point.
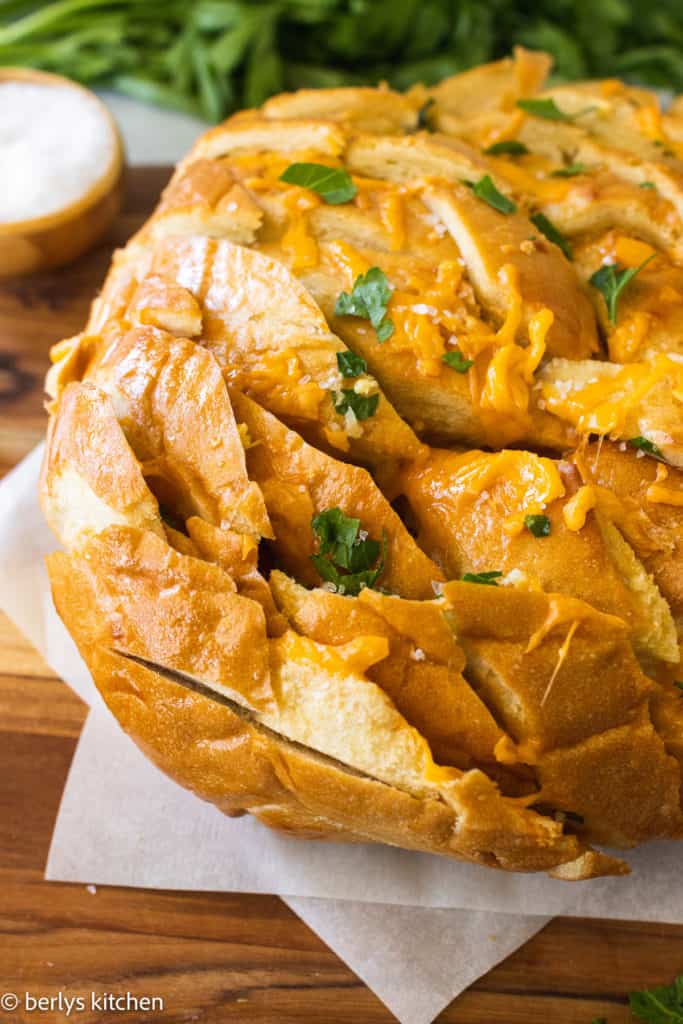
(225, 398)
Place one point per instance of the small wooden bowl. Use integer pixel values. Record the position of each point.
(41, 243)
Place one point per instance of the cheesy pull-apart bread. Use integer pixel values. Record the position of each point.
(368, 470)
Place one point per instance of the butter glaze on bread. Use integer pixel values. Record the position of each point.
(505, 688)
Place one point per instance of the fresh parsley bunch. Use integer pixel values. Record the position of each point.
(659, 1005)
(210, 57)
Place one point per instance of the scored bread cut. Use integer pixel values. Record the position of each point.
(367, 467)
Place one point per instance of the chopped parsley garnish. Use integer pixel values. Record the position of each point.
(456, 360)
(547, 228)
(611, 281)
(424, 116)
(486, 190)
(369, 299)
(549, 110)
(487, 578)
(679, 684)
(538, 525)
(333, 184)
(649, 447)
(344, 546)
(599, 1020)
(570, 171)
(662, 1005)
(351, 365)
(512, 146)
(647, 184)
(363, 406)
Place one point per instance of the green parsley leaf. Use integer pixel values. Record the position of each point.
(548, 229)
(545, 108)
(662, 1005)
(424, 116)
(570, 171)
(369, 299)
(599, 1020)
(351, 365)
(456, 360)
(679, 684)
(486, 190)
(549, 110)
(487, 578)
(538, 525)
(385, 330)
(343, 546)
(334, 529)
(649, 447)
(647, 184)
(512, 146)
(611, 281)
(364, 406)
(333, 184)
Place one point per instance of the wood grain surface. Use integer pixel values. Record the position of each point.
(210, 957)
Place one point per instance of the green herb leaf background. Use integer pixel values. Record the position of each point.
(214, 56)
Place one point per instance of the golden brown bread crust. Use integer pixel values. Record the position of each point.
(465, 506)
(239, 767)
(430, 690)
(652, 521)
(218, 401)
(299, 482)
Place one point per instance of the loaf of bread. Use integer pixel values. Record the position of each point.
(368, 468)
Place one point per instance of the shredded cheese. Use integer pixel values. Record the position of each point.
(630, 252)
(658, 494)
(514, 483)
(561, 658)
(579, 505)
(297, 241)
(610, 402)
(356, 656)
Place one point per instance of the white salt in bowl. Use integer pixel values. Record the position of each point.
(61, 170)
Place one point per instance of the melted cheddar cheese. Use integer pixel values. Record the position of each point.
(531, 176)
(623, 512)
(629, 336)
(279, 377)
(297, 242)
(579, 505)
(431, 308)
(564, 610)
(428, 304)
(658, 494)
(610, 403)
(630, 252)
(355, 657)
(515, 483)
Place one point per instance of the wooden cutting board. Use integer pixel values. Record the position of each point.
(210, 957)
